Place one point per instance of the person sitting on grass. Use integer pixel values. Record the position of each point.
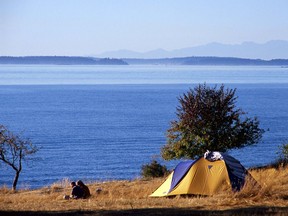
(76, 192)
(85, 189)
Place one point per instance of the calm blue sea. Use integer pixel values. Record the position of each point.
(99, 123)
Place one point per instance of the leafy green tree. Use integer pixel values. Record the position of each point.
(207, 119)
(13, 150)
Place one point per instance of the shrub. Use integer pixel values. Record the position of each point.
(154, 170)
(283, 154)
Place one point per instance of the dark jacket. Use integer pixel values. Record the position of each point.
(86, 191)
(77, 192)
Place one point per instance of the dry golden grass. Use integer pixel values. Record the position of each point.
(125, 195)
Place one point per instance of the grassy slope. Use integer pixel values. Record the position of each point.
(126, 196)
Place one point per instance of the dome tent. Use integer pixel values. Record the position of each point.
(204, 176)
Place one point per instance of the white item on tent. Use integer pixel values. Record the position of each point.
(213, 156)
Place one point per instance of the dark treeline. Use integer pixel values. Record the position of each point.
(68, 60)
(60, 60)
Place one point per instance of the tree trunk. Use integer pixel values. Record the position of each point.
(15, 180)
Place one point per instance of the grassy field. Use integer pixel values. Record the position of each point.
(131, 198)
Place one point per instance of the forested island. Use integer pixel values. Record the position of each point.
(209, 61)
(60, 60)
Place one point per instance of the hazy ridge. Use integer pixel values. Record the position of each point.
(274, 49)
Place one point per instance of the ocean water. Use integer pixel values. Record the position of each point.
(99, 123)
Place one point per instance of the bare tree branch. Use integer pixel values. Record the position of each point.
(13, 150)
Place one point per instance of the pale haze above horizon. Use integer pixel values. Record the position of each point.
(92, 27)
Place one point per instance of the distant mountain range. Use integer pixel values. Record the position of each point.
(275, 49)
(248, 53)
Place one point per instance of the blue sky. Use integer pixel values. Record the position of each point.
(88, 27)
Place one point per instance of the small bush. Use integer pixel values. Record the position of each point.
(154, 170)
(283, 154)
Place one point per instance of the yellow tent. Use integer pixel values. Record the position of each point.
(203, 177)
